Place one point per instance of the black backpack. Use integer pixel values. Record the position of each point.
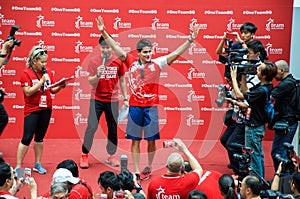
(296, 99)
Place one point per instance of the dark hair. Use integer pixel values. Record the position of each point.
(109, 179)
(143, 43)
(270, 71)
(138, 196)
(126, 179)
(254, 184)
(70, 165)
(5, 173)
(296, 180)
(248, 26)
(257, 46)
(197, 194)
(102, 41)
(227, 186)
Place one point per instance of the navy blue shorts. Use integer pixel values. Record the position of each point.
(140, 118)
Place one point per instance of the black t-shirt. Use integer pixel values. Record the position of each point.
(283, 94)
(256, 99)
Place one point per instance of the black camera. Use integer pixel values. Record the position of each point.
(235, 57)
(223, 93)
(243, 159)
(119, 194)
(270, 194)
(287, 163)
(12, 36)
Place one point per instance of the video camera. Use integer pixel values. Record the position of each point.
(270, 194)
(223, 93)
(12, 36)
(235, 57)
(287, 163)
(244, 160)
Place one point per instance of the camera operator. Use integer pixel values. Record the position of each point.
(5, 49)
(235, 131)
(282, 183)
(256, 115)
(110, 185)
(286, 123)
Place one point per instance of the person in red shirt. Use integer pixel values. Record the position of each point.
(143, 78)
(173, 184)
(105, 75)
(38, 105)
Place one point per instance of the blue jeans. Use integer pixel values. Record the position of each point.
(253, 139)
(279, 139)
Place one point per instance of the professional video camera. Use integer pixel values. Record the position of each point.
(244, 160)
(270, 194)
(235, 57)
(12, 36)
(287, 163)
(223, 93)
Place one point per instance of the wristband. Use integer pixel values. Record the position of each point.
(242, 43)
(138, 188)
(3, 55)
(125, 99)
(277, 174)
(98, 76)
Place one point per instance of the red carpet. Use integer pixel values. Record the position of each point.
(211, 155)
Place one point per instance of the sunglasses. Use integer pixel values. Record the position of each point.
(39, 51)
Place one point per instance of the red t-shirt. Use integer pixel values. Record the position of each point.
(28, 78)
(173, 186)
(209, 184)
(107, 89)
(143, 80)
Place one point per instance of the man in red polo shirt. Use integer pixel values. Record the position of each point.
(173, 184)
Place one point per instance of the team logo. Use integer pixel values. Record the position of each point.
(193, 74)
(6, 22)
(41, 43)
(273, 51)
(273, 26)
(194, 50)
(157, 49)
(158, 25)
(80, 48)
(81, 73)
(79, 119)
(194, 22)
(232, 26)
(41, 22)
(192, 97)
(79, 95)
(118, 24)
(6, 72)
(191, 121)
(79, 23)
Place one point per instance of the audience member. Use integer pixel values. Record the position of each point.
(129, 182)
(295, 184)
(110, 184)
(283, 95)
(7, 180)
(105, 98)
(250, 187)
(227, 187)
(173, 184)
(59, 190)
(197, 194)
(143, 80)
(38, 106)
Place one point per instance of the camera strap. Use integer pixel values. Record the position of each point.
(8, 56)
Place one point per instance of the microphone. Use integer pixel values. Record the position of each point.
(44, 72)
(104, 57)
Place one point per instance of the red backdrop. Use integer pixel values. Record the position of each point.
(67, 29)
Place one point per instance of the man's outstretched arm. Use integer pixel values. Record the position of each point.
(116, 48)
(180, 50)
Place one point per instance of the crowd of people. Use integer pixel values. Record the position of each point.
(183, 179)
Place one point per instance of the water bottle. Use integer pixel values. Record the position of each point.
(123, 112)
(124, 162)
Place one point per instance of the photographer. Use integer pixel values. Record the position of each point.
(110, 185)
(257, 117)
(286, 123)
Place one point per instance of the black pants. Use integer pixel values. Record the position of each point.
(234, 134)
(3, 118)
(36, 124)
(111, 111)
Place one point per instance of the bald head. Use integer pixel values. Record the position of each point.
(175, 163)
(282, 65)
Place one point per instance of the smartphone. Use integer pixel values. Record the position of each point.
(230, 36)
(24, 173)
